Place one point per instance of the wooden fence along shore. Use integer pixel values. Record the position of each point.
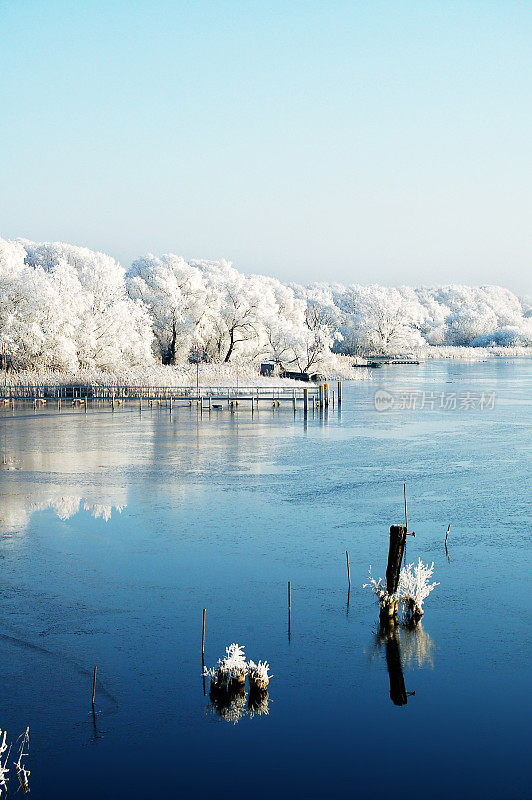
(206, 397)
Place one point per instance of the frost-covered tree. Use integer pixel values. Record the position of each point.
(175, 294)
(71, 309)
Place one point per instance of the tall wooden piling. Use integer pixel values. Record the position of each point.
(305, 401)
(389, 607)
(395, 556)
(326, 395)
(339, 393)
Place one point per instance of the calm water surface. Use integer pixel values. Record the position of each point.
(117, 529)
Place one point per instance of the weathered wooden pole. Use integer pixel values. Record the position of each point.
(395, 556)
(289, 610)
(305, 401)
(339, 393)
(85, 403)
(94, 686)
(348, 570)
(326, 395)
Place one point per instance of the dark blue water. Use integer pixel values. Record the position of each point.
(117, 529)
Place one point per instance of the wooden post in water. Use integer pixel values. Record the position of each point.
(305, 401)
(203, 637)
(339, 393)
(289, 609)
(94, 687)
(395, 556)
(348, 570)
(85, 403)
(326, 395)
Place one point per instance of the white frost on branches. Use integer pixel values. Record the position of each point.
(414, 587)
(412, 590)
(69, 308)
(259, 672)
(378, 588)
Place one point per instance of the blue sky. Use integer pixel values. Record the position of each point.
(372, 141)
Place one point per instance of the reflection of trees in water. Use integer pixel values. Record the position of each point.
(231, 705)
(16, 510)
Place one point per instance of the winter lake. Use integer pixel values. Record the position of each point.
(119, 528)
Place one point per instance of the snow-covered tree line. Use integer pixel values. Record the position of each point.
(66, 307)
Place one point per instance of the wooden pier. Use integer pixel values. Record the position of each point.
(313, 396)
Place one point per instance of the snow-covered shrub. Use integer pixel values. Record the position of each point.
(414, 588)
(379, 590)
(230, 670)
(259, 676)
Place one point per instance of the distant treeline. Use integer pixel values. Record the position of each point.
(69, 308)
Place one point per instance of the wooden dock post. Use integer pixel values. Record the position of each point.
(113, 400)
(326, 395)
(170, 404)
(305, 401)
(210, 403)
(94, 686)
(320, 395)
(85, 403)
(339, 393)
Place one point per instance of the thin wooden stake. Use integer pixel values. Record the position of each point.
(348, 570)
(203, 637)
(94, 686)
(289, 597)
(447, 534)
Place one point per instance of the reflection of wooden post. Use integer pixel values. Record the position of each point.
(395, 671)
